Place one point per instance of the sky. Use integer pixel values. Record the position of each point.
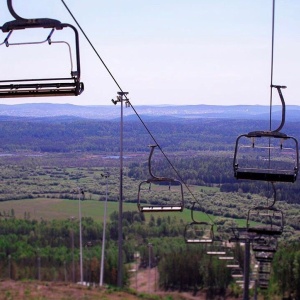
(178, 52)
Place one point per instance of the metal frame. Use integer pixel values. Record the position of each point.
(40, 87)
(261, 172)
(145, 207)
(267, 173)
(216, 248)
(265, 243)
(237, 273)
(268, 213)
(264, 267)
(263, 256)
(192, 228)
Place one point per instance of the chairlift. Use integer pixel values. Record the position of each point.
(233, 264)
(159, 194)
(237, 273)
(216, 252)
(217, 248)
(41, 87)
(267, 155)
(240, 283)
(265, 243)
(264, 256)
(241, 235)
(263, 282)
(263, 277)
(229, 256)
(263, 285)
(265, 220)
(198, 232)
(264, 268)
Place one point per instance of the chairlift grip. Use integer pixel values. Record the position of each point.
(279, 87)
(150, 167)
(149, 160)
(12, 11)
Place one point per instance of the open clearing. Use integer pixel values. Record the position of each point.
(60, 209)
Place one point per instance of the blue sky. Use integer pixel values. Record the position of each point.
(167, 52)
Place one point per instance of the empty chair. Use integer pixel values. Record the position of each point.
(267, 155)
(159, 194)
(265, 220)
(263, 256)
(198, 231)
(66, 85)
(265, 243)
(264, 267)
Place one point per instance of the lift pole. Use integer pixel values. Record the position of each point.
(121, 98)
(246, 270)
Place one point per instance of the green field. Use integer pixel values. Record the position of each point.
(49, 209)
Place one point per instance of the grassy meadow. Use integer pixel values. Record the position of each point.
(59, 209)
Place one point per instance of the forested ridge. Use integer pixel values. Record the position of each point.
(60, 135)
(201, 149)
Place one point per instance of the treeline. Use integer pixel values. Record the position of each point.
(214, 170)
(192, 269)
(103, 136)
(49, 250)
(286, 271)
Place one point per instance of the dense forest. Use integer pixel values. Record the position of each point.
(67, 135)
(49, 251)
(50, 157)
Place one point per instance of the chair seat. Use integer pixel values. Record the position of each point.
(68, 87)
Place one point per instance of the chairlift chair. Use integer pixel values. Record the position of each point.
(159, 194)
(229, 256)
(265, 243)
(267, 155)
(217, 248)
(264, 267)
(226, 257)
(41, 87)
(237, 273)
(240, 283)
(198, 232)
(241, 234)
(265, 220)
(264, 256)
(266, 160)
(233, 264)
(263, 285)
(263, 277)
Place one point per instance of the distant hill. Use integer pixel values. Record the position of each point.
(107, 112)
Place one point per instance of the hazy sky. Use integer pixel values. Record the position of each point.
(166, 51)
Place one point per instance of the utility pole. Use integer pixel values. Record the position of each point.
(149, 253)
(72, 242)
(106, 175)
(246, 270)
(80, 193)
(9, 266)
(121, 98)
(39, 266)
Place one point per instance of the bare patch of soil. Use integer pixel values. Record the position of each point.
(20, 290)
